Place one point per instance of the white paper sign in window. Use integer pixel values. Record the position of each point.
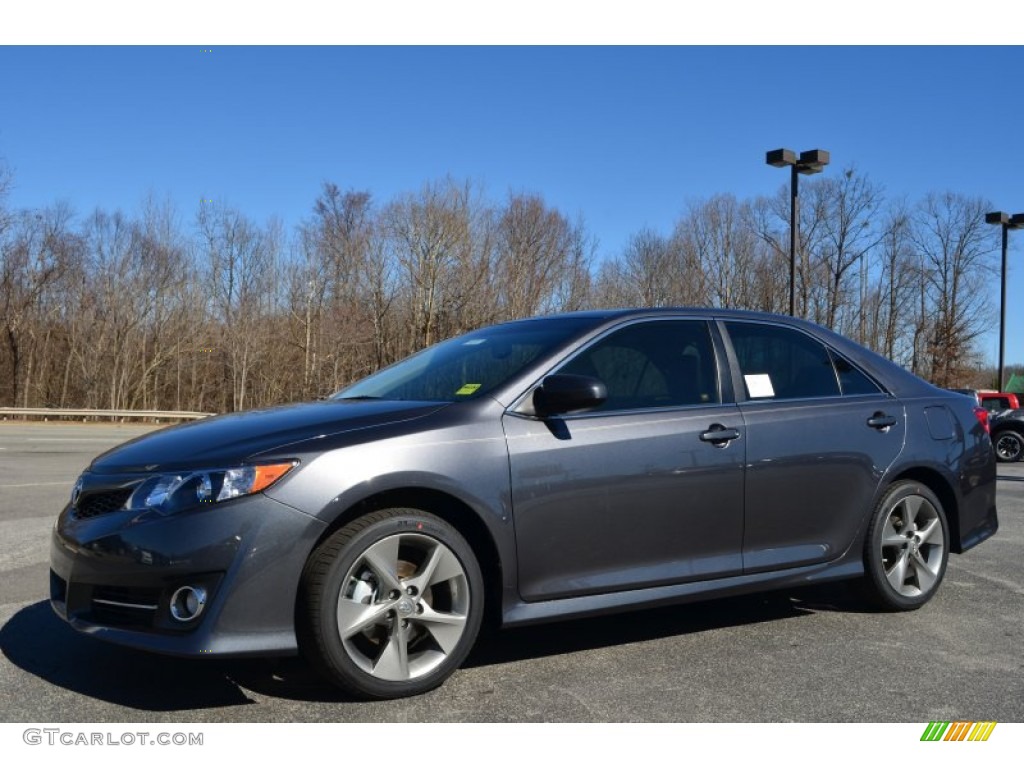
(759, 385)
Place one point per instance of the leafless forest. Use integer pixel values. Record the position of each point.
(210, 310)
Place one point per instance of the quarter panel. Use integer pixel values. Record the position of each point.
(966, 462)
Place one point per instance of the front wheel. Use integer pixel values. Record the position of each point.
(390, 604)
(906, 548)
(1009, 445)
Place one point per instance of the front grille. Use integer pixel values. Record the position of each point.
(101, 503)
(148, 596)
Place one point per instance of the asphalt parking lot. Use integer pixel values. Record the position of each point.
(805, 655)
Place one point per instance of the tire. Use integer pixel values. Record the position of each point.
(907, 547)
(1009, 445)
(390, 605)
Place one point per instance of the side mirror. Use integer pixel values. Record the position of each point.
(563, 393)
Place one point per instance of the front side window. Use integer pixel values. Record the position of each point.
(781, 363)
(657, 364)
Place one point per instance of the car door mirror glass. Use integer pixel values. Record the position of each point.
(563, 393)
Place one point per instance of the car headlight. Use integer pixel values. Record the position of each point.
(172, 492)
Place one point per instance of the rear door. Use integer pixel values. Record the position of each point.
(819, 436)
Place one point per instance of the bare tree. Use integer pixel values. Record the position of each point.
(846, 207)
(954, 248)
(725, 252)
(35, 252)
(430, 236)
(239, 256)
(539, 252)
(327, 305)
(892, 301)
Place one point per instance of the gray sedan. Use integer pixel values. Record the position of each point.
(536, 470)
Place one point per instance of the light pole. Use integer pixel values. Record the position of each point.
(811, 161)
(1007, 222)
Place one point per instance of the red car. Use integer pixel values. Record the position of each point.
(997, 402)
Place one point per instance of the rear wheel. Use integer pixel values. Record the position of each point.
(391, 604)
(1009, 445)
(907, 547)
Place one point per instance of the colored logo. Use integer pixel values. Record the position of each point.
(958, 731)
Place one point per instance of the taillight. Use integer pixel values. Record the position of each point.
(982, 416)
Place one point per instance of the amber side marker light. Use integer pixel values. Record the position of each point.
(268, 474)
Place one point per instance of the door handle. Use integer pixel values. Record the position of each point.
(882, 421)
(719, 434)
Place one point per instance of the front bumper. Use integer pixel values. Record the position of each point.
(112, 576)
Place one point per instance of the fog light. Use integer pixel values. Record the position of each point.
(187, 603)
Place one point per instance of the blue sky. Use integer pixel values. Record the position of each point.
(620, 136)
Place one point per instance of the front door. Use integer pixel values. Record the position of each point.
(640, 491)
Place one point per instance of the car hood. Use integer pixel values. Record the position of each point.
(235, 437)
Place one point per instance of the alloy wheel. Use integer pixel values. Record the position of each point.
(403, 607)
(913, 546)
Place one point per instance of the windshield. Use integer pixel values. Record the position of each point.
(468, 366)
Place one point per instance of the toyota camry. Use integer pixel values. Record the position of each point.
(541, 469)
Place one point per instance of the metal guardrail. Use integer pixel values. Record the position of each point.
(101, 413)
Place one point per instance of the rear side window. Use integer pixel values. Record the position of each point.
(782, 363)
(852, 381)
(656, 364)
